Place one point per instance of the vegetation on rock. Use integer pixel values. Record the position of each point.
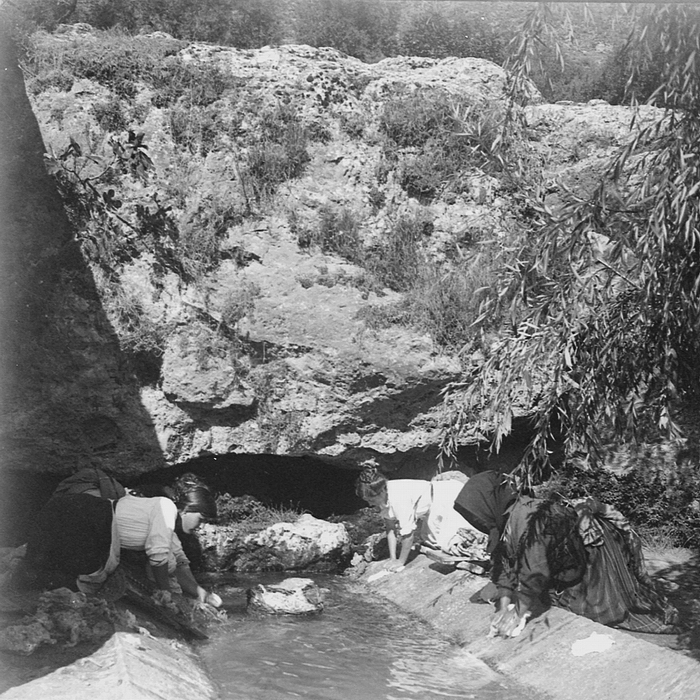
(586, 312)
(605, 294)
(588, 63)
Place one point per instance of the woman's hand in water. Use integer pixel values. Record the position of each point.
(508, 622)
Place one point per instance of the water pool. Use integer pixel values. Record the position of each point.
(361, 647)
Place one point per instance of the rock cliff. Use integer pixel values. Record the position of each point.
(274, 347)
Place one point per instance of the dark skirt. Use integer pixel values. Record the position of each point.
(616, 590)
(71, 535)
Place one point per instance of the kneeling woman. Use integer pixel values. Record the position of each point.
(149, 525)
(79, 535)
(583, 557)
(414, 510)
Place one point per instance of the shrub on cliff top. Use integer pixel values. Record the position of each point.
(442, 301)
(113, 59)
(121, 62)
(432, 138)
(437, 33)
(279, 152)
(397, 259)
(242, 23)
(359, 28)
(410, 121)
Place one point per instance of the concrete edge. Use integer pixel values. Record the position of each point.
(625, 667)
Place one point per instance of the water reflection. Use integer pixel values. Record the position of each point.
(451, 675)
(360, 648)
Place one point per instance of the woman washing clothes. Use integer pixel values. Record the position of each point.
(414, 510)
(148, 524)
(582, 556)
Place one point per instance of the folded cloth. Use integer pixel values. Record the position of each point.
(470, 544)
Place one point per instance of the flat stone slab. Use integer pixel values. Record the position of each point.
(128, 667)
(560, 655)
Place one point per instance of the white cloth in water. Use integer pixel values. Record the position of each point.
(594, 643)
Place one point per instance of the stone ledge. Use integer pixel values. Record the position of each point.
(128, 667)
(542, 657)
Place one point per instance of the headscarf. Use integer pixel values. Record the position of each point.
(483, 502)
(370, 481)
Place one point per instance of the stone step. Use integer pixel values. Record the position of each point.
(129, 666)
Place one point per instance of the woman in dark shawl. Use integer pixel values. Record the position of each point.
(581, 556)
(485, 504)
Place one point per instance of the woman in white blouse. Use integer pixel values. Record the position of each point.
(78, 537)
(413, 510)
(149, 524)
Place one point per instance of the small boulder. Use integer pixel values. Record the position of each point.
(309, 544)
(62, 617)
(24, 639)
(293, 596)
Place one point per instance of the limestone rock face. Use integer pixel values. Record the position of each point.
(293, 596)
(67, 398)
(302, 372)
(307, 544)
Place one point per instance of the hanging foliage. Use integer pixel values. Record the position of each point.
(605, 311)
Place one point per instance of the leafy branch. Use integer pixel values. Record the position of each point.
(87, 183)
(605, 293)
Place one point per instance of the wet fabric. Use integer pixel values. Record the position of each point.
(471, 544)
(483, 502)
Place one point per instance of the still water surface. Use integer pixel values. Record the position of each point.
(360, 648)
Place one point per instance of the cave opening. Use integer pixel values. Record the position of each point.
(301, 483)
(305, 484)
